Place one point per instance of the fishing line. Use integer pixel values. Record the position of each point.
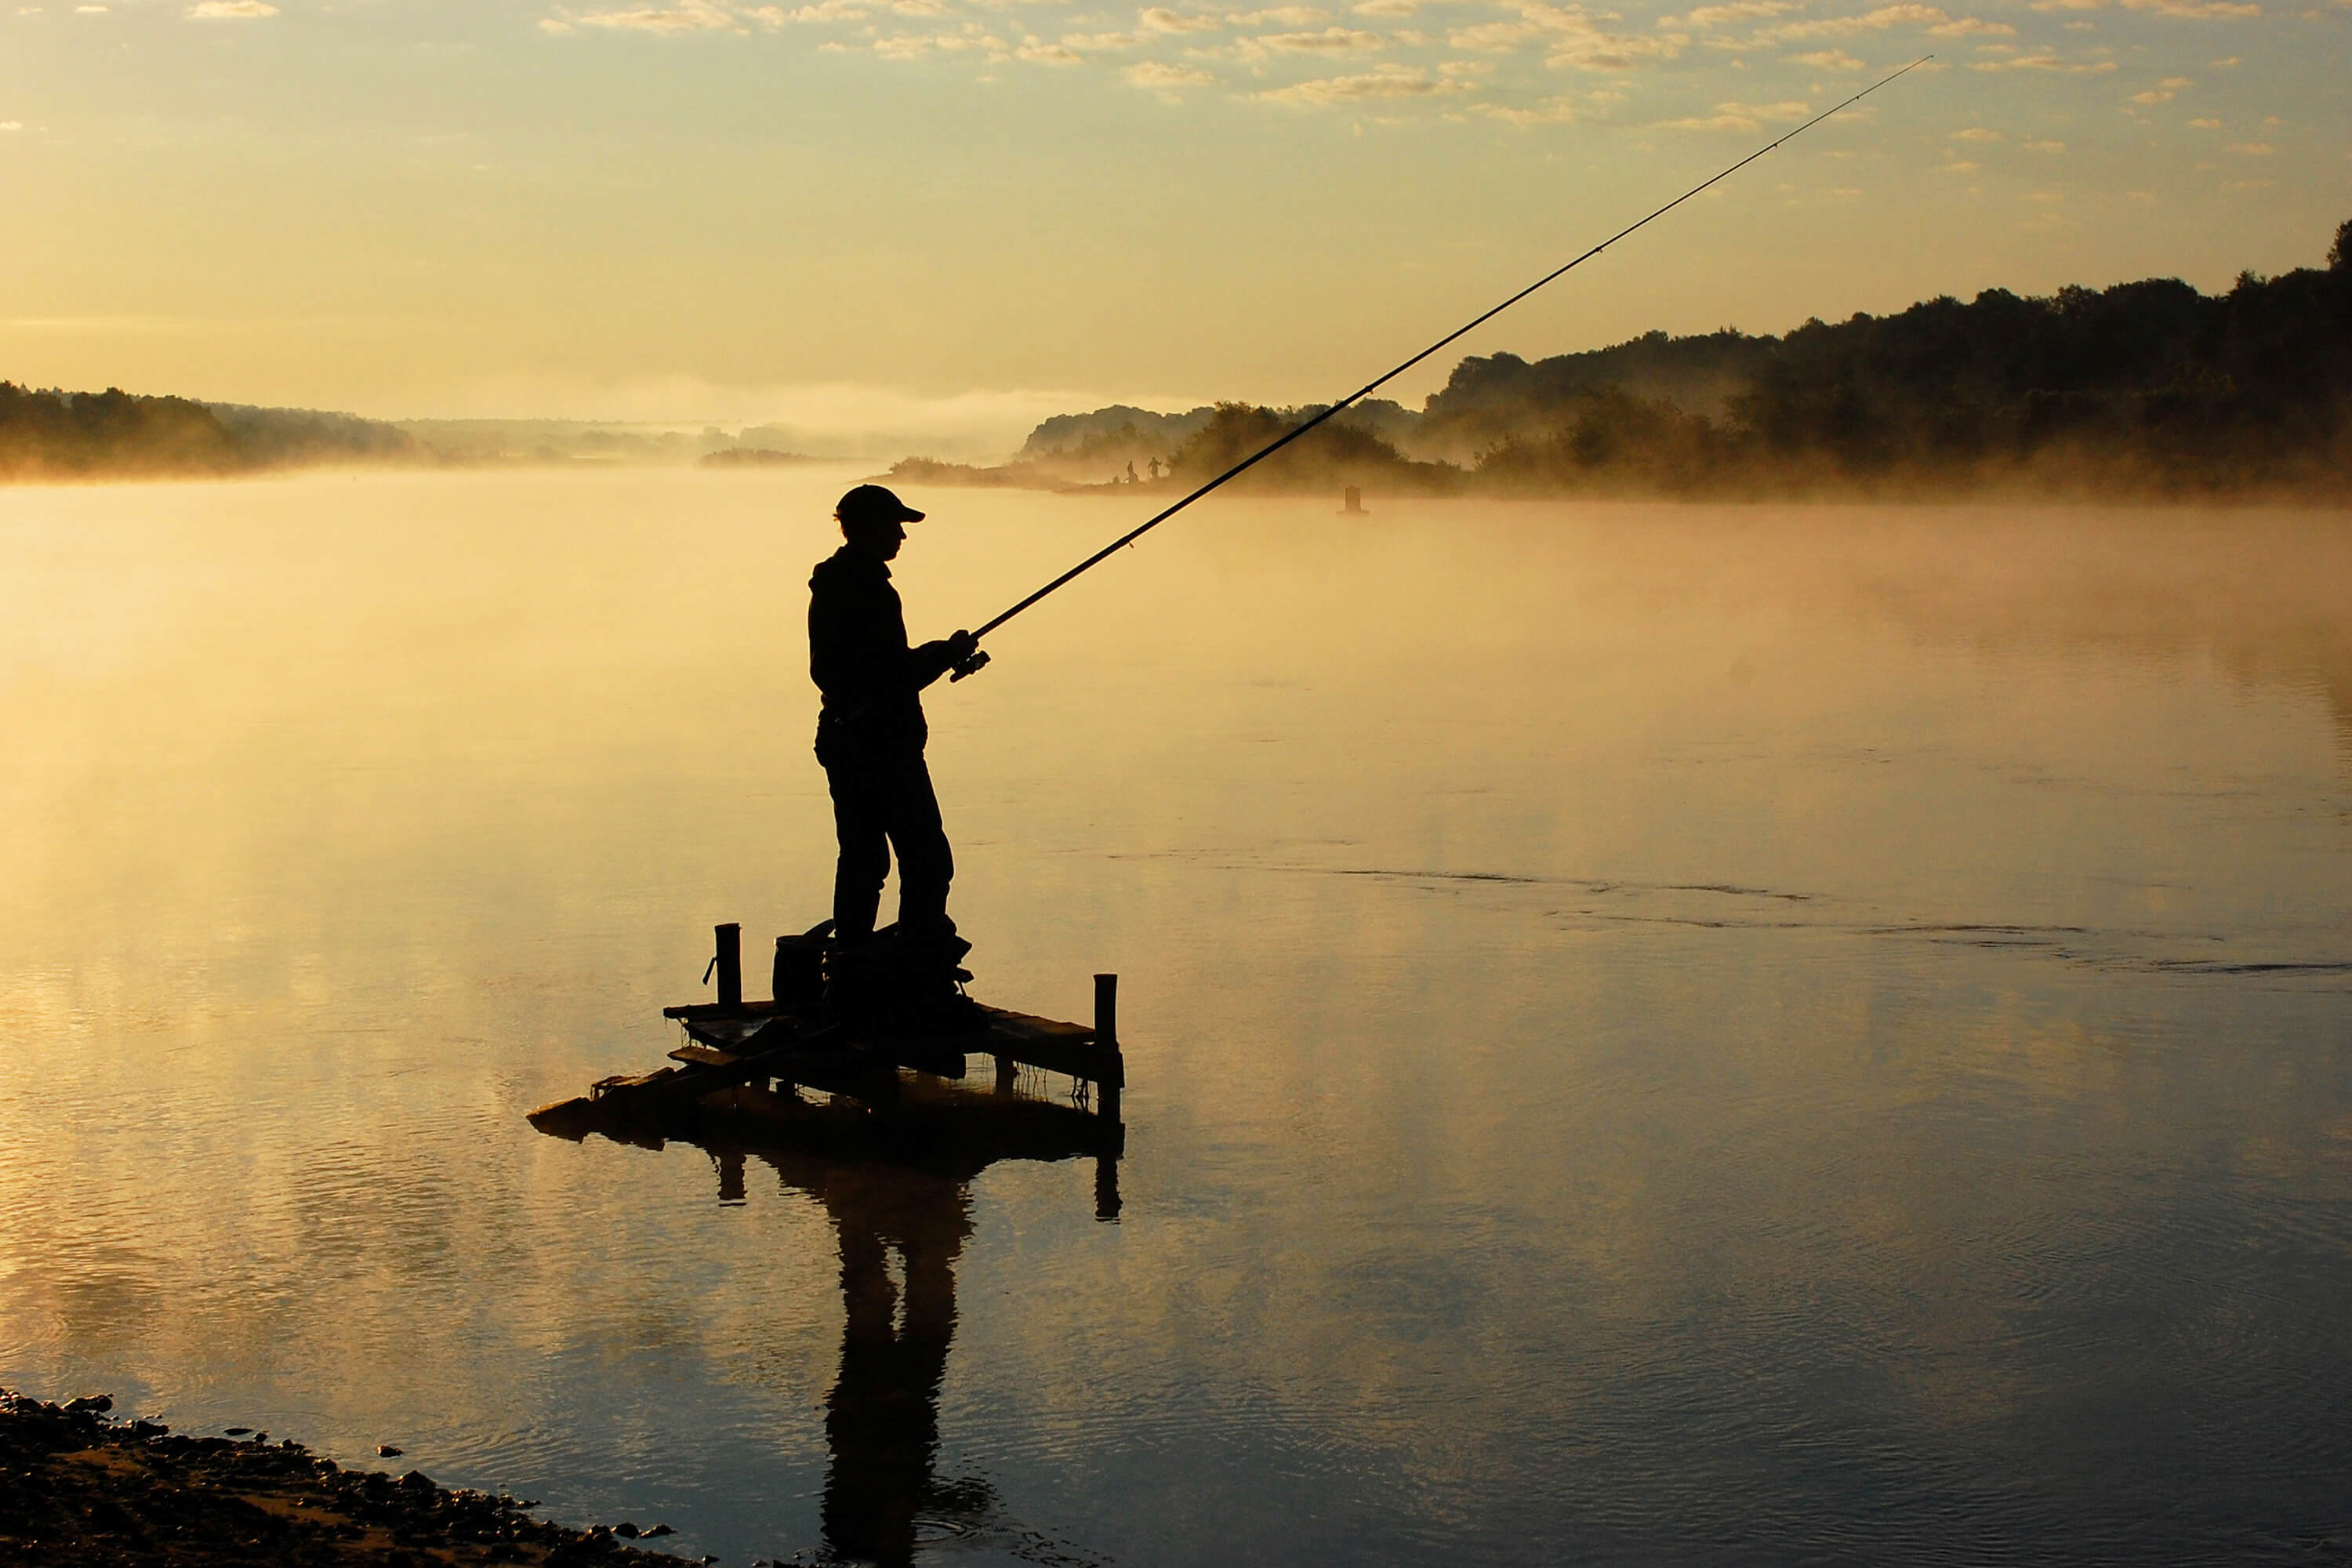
(972, 663)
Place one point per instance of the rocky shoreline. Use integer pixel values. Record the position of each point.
(79, 1487)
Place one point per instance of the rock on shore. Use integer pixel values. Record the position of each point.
(78, 1488)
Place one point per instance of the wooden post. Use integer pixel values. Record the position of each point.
(1107, 1040)
(730, 965)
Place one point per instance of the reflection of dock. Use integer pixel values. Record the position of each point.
(886, 1136)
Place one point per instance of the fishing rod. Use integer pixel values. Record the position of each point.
(971, 663)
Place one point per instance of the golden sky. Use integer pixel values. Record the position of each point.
(1001, 208)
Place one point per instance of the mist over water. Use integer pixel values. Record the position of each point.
(1655, 1034)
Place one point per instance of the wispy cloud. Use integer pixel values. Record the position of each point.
(1160, 19)
(1330, 40)
(1706, 19)
(230, 10)
(1550, 112)
(1389, 82)
(1830, 60)
(2044, 62)
(1161, 77)
(2196, 10)
(686, 16)
(1748, 117)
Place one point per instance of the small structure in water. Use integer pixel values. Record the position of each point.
(746, 1067)
(873, 1122)
(1353, 500)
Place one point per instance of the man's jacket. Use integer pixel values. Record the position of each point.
(859, 659)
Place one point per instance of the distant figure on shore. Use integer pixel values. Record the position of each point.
(869, 736)
(1131, 472)
(1154, 466)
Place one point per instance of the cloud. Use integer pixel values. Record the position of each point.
(1748, 117)
(1386, 7)
(1280, 16)
(2196, 10)
(1966, 26)
(230, 10)
(12, 125)
(1877, 21)
(1330, 40)
(1161, 77)
(1962, 167)
(1551, 111)
(686, 16)
(2043, 62)
(2203, 125)
(1570, 38)
(1038, 52)
(1388, 82)
(1491, 37)
(825, 11)
(1709, 17)
(1830, 60)
(1160, 19)
(2252, 149)
(974, 39)
(1101, 43)
(2068, 5)
(1976, 134)
(2044, 146)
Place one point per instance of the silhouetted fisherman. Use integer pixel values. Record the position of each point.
(870, 737)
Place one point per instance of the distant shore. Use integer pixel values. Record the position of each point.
(78, 1487)
(2146, 391)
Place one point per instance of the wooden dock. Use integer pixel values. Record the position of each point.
(745, 1065)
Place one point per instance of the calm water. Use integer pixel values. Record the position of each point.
(1657, 1034)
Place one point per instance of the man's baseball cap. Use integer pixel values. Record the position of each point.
(872, 504)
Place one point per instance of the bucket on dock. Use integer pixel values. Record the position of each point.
(800, 969)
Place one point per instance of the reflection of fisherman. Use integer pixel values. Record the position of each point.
(870, 733)
(882, 1420)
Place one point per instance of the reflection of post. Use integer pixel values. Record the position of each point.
(1106, 1202)
(730, 1176)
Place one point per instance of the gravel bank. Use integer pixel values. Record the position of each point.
(78, 1488)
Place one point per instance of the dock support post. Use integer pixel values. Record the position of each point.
(730, 965)
(1106, 1038)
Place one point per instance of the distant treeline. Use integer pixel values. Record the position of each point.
(2144, 388)
(114, 434)
(54, 435)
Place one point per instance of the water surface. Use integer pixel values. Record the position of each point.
(1657, 1034)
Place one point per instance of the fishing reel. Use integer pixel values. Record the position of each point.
(972, 664)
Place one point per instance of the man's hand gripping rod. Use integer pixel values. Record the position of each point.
(972, 663)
